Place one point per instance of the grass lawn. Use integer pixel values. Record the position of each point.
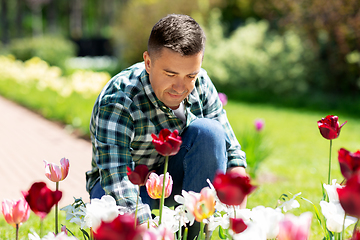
(298, 161)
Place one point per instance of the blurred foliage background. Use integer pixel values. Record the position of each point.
(297, 52)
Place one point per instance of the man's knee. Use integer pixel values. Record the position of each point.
(208, 129)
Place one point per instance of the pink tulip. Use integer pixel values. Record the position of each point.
(15, 212)
(295, 228)
(223, 99)
(54, 172)
(259, 124)
(201, 205)
(154, 185)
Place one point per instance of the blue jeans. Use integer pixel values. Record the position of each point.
(202, 153)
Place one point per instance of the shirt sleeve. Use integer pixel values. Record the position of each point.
(112, 136)
(212, 108)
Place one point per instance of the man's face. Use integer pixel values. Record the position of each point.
(172, 76)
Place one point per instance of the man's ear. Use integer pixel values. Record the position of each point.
(147, 61)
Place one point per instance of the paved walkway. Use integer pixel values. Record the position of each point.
(26, 139)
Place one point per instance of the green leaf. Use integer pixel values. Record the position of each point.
(222, 233)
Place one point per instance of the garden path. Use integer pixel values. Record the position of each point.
(26, 139)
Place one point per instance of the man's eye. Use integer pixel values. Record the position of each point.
(170, 75)
(192, 76)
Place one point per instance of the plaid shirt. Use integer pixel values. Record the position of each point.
(125, 115)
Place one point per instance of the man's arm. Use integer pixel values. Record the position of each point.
(112, 129)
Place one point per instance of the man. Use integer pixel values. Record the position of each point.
(168, 90)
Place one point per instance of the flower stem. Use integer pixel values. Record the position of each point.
(136, 210)
(91, 234)
(56, 212)
(185, 233)
(343, 228)
(41, 227)
(329, 162)
(17, 231)
(356, 224)
(201, 233)
(163, 188)
(179, 232)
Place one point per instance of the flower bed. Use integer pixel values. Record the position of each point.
(216, 205)
(43, 88)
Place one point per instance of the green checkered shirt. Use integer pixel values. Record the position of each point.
(125, 115)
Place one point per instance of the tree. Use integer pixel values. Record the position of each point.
(332, 26)
(4, 22)
(37, 21)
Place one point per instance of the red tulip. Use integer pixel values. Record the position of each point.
(237, 225)
(356, 235)
(41, 199)
(15, 212)
(329, 127)
(349, 196)
(232, 187)
(139, 175)
(349, 162)
(168, 143)
(121, 228)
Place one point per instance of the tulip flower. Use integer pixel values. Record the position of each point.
(237, 225)
(334, 215)
(349, 162)
(15, 212)
(259, 124)
(349, 196)
(356, 235)
(329, 127)
(41, 199)
(139, 175)
(201, 205)
(232, 188)
(100, 210)
(223, 99)
(268, 218)
(154, 185)
(57, 173)
(168, 143)
(295, 228)
(121, 228)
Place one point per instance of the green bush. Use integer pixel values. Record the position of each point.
(255, 58)
(54, 50)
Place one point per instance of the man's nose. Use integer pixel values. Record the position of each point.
(179, 85)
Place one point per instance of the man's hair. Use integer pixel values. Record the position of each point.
(179, 33)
